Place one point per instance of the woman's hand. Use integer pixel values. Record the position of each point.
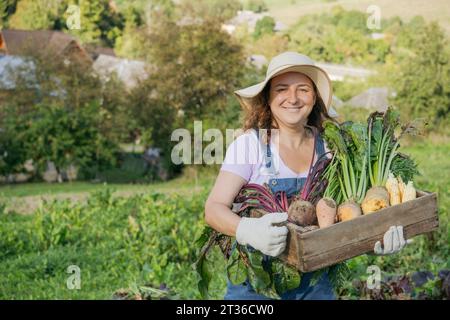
(393, 242)
(262, 234)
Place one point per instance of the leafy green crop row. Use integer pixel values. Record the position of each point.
(115, 242)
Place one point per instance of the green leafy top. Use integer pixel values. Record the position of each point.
(384, 145)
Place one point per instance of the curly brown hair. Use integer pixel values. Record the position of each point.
(260, 115)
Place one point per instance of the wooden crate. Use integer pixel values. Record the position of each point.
(316, 249)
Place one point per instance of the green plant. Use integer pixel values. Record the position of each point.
(264, 26)
(346, 175)
(54, 133)
(257, 6)
(383, 147)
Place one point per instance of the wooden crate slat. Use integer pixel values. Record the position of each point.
(292, 253)
(324, 247)
(363, 227)
(315, 262)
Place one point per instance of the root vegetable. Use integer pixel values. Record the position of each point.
(326, 212)
(383, 149)
(401, 187)
(302, 213)
(410, 192)
(349, 210)
(376, 199)
(393, 190)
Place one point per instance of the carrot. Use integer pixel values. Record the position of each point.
(376, 199)
(326, 212)
(348, 210)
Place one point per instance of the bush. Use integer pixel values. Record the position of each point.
(131, 168)
(422, 77)
(264, 26)
(257, 6)
(54, 133)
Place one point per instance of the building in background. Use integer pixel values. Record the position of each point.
(25, 42)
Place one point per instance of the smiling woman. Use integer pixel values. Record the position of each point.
(291, 105)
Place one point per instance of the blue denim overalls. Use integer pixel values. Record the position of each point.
(323, 289)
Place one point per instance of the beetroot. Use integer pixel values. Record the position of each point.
(302, 213)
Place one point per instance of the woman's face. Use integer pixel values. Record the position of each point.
(291, 99)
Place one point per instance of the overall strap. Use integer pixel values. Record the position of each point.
(320, 147)
(268, 153)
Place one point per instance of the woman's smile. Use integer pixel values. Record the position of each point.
(292, 109)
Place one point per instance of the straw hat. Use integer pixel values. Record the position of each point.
(291, 62)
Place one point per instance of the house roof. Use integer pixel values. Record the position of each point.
(95, 51)
(372, 98)
(247, 17)
(258, 60)
(19, 42)
(12, 67)
(339, 72)
(128, 71)
(22, 70)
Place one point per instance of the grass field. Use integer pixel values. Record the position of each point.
(27, 197)
(35, 189)
(290, 11)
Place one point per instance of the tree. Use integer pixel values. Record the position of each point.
(130, 43)
(268, 45)
(194, 66)
(7, 9)
(423, 76)
(35, 14)
(13, 152)
(53, 133)
(63, 115)
(410, 31)
(257, 6)
(100, 22)
(201, 68)
(50, 77)
(219, 10)
(340, 37)
(264, 26)
(351, 19)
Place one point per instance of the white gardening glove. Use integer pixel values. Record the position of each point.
(261, 233)
(393, 241)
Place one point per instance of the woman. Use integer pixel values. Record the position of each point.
(292, 101)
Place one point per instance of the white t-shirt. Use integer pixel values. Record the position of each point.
(245, 157)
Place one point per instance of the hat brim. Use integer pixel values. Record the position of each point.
(316, 74)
